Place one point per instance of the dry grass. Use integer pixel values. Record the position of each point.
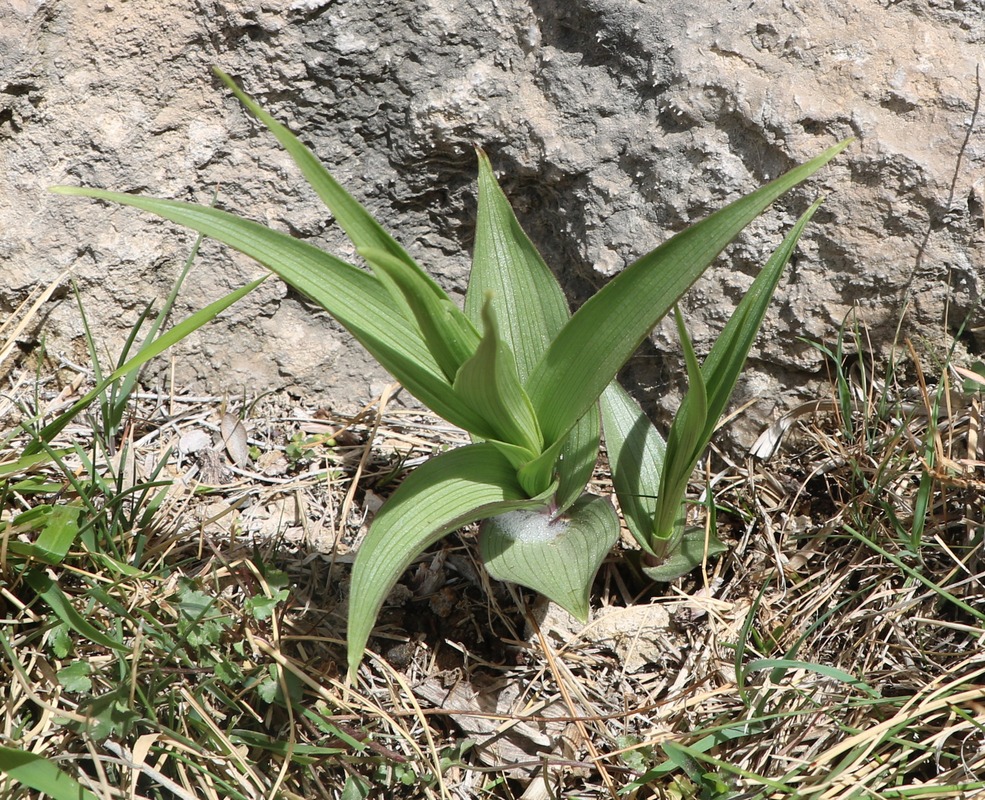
(192, 643)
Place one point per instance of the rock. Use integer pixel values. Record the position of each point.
(614, 123)
(640, 636)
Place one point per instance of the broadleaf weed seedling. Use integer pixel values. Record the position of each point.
(518, 372)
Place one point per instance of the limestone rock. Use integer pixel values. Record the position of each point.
(614, 123)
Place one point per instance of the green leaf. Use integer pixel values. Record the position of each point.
(59, 529)
(27, 463)
(59, 533)
(609, 327)
(531, 309)
(42, 775)
(578, 457)
(355, 788)
(201, 624)
(60, 640)
(684, 447)
(261, 607)
(359, 225)
(278, 585)
(688, 553)
(108, 714)
(723, 365)
(446, 331)
(528, 299)
(50, 592)
(443, 494)
(75, 677)
(636, 456)
(711, 388)
(489, 383)
(356, 299)
(556, 556)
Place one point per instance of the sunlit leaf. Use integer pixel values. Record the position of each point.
(446, 331)
(42, 775)
(636, 456)
(443, 494)
(529, 302)
(354, 297)
(359, 224)
(531, 309)
(684, 446)
(52, 594)
(611, 325)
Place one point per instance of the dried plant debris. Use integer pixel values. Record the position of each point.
(190, 632)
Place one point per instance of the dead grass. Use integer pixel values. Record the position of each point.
(193, 644)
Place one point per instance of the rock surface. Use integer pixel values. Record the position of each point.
(613, 124)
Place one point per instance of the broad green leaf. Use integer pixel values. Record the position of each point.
(76, 677)
(684, 447)
(636, 456)
(42, 775)
(446, 331)
(688, 553)
(162, 343)
(531, 309)
(608, 328)
(443, 494)
(51, 593)
(529, 301)
(355, 298)
(488, 382)
(555, 556)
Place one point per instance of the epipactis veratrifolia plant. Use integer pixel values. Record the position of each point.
(532, 383)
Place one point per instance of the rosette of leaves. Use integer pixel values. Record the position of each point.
(517, 371)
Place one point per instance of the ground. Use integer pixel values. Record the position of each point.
(174, 585)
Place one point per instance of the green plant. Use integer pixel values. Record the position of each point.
(516, 371)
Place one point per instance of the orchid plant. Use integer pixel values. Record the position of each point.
(532, 383)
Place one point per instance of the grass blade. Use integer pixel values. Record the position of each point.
(162, 343)
(51, 593)
(609, 327)
(42, 775)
